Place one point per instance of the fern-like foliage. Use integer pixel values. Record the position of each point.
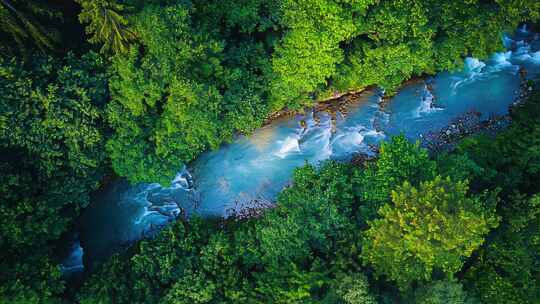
(106, 25)
(24, 23)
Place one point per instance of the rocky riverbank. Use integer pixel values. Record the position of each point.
(468, 124)
(336, 103)
(471, 123)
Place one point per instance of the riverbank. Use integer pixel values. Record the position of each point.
(471, 123)
(336, 103)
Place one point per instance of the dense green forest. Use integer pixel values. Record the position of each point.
(94, 89)
(459, 227)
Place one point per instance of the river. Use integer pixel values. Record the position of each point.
(254, 169)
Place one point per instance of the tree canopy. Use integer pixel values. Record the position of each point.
(52, 158)
(95, 90)
(430, 229)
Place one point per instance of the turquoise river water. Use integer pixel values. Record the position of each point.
(255, 168)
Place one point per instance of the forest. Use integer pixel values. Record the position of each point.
(93, 90)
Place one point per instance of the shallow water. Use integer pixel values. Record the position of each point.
(256, 168)
(74, 262)
(485, 87)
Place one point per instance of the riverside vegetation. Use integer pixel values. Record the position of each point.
(158, 82)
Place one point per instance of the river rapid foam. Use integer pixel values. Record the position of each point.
(257, 167)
